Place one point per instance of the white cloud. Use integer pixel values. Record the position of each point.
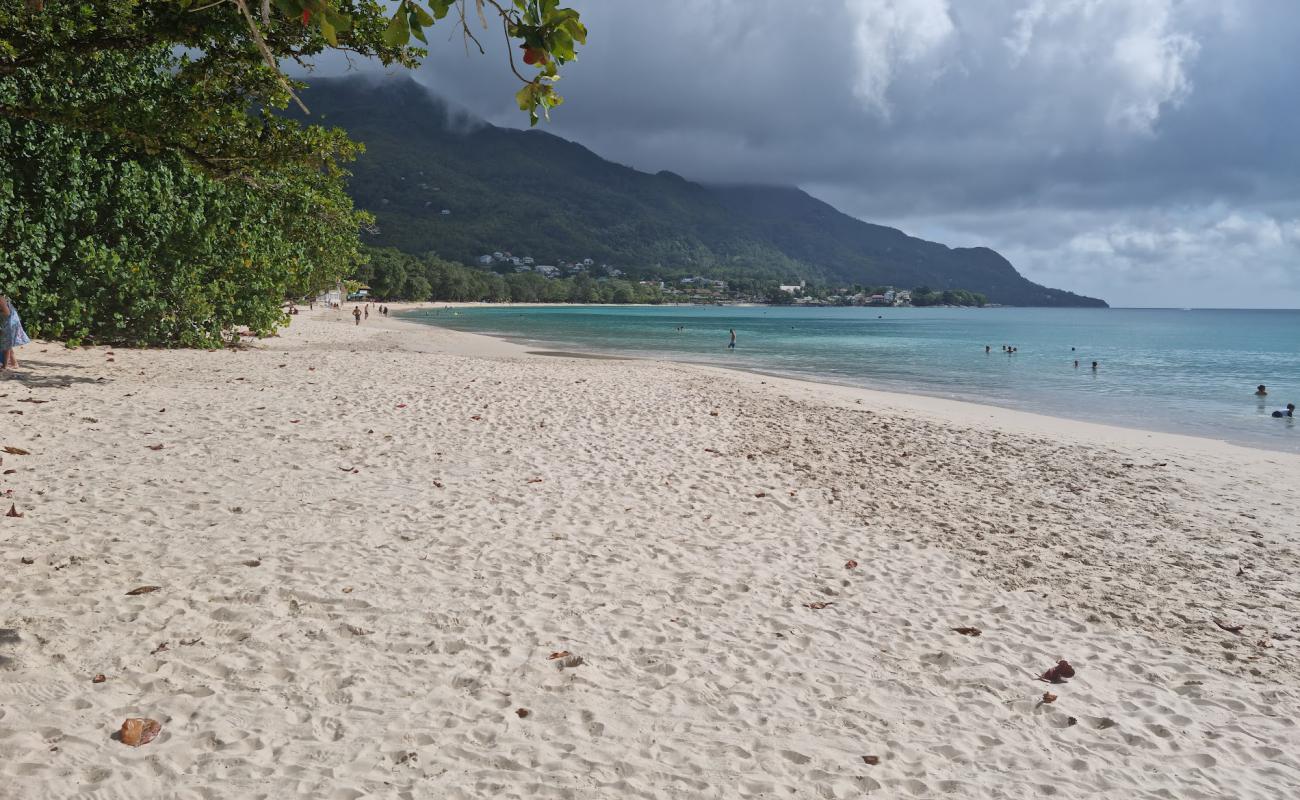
(889, 34)
(1130, 58)
(1187, 256)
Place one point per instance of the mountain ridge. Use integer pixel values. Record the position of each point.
(536, 193)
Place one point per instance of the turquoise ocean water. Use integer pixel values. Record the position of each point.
(1191, 372)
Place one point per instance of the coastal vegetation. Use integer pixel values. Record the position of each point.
(393, 275)
(390, 274)
(152, 190)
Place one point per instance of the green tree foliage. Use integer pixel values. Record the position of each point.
(150, 192)
(101, 240)
(925, 296)
(394, 275)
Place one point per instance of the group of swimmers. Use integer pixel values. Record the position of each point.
(1283, 413)
(1008, 349)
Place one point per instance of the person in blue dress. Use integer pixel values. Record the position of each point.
(12, 335)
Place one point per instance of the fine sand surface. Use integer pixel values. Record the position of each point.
(369, 540)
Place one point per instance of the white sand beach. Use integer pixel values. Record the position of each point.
(368, 542)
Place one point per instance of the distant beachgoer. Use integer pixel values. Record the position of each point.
(356, 314)
(988, 348)
(1289, 412)
(12, 335)
(732, 344)
(1261, 390)
(1094, 366)
(1076, 363)
(1071, 349)
(367, 311)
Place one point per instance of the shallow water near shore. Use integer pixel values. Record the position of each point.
(1191, 372)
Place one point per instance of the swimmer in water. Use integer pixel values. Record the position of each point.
(1261, 391)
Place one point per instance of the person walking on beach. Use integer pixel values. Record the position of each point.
(356, 314)
(12, 335)
(732, 344)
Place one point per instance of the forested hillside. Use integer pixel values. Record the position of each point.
(533, 193)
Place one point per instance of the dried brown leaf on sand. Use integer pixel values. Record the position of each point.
(1048, 697)
(155, 447)
(872, 760)
(98, 678)
(252, 562)
(535, 480)
(968, 631)
(1058, 673)
(13, 511)
(136, 732)
(850, 564)
(15, 451)
(558, 654)
(819, 605)
(522, 712)
(143, 590)
(162, 647)
(1227, 627)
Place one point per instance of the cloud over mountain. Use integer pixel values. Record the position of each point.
(1061, 132)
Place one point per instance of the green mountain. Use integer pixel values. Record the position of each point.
(532, 193)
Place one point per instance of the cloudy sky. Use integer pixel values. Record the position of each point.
(1143, 151)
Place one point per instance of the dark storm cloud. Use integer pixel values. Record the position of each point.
(1142, 150)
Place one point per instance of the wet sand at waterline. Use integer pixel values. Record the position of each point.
(369, 541)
